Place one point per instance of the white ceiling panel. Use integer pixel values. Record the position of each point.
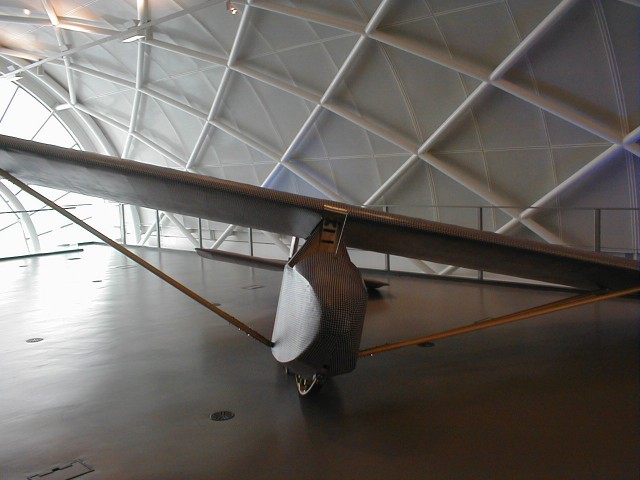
(536, 179)
(311, 67)
(268, 115)
(350, 11)
(225, 149)
(288, 181)
(468, 38)
(505, 122)
(271, 32)
(578, 72)
(213, 23)
(527, 14)
(333, 137)
(436, 103)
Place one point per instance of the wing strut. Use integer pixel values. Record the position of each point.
(564, 304)
(159, 273)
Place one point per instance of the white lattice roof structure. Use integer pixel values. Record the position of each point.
(529, 106)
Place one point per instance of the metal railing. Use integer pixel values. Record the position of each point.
(609, 230)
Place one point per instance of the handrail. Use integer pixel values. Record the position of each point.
(599, 224)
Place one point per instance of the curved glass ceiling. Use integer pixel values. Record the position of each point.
(26, 225)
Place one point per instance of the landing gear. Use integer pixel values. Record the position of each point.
(308, 386)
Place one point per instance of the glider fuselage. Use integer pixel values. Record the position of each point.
(322, 305)
(320, 315)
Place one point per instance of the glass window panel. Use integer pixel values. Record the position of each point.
(24, 116)
(12, 240)
(27, 117)
(7, 89)
(54, 133)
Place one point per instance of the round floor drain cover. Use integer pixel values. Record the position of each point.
(222, 416)
(35, 340)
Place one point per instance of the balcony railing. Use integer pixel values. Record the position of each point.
(613, 231)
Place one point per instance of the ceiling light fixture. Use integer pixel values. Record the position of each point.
(232, 8)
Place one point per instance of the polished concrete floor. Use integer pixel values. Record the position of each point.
(129, 371)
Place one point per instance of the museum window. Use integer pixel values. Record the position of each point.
(27, 226)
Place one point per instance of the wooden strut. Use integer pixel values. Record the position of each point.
(557, 306)
(140, 261)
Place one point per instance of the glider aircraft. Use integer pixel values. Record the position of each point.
(323, 297)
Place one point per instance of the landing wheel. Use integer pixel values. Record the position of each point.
(309, 386)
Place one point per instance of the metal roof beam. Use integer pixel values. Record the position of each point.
(301, 93)
(186, 233)
(120, 35)
(549, 105)
(75, 24)
(101, 74)
(279, 84)
(306, 15)
(567, 184)
(58, 92)
(319, 101)
(28, 20)
(516, 55)
(574, 179)
(173, 102)
(118, 80)
(537, 34)
(85, 28)
(217, 100)
(64, 46)
(12, 52)
(460, 177)
(51, 13)
(152, 228)
(243, 138)
(140, 74)
(205, 57)
(124, 128)
(431, 54)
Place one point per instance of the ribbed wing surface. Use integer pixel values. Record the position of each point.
(241, 204)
